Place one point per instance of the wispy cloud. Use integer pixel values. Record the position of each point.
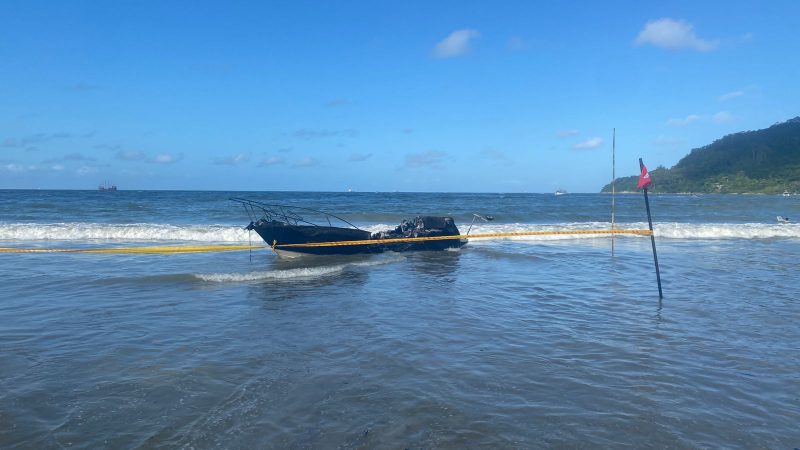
(80, 87)
(14, 167)
(305, 133)
(165, 158)
(720, 117)
(77, 157)
(305, 162)
(272, 161)
(45, 166)
(130, 155)
(455, 44)
(358, 157)
(493, 154)
(589, 144)
(673, 34)
(567, 133)
(108, 146)
(233, 160)
(10, 143)
(138, 155)
(678, 122)
(71, 157)
(730, 96)
(31, 141)
(517, 43)
(431, 158)
(86, 170)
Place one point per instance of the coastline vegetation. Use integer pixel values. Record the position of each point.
(750, 162)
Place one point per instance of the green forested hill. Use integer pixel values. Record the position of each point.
(761, 161)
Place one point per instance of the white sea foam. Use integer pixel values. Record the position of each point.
(301, 272)
(668, 230)
(138, 232)
(288, 274)
(145, 232)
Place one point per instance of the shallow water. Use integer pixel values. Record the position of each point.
(522, 343)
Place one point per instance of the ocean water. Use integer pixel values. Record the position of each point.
(535, 342)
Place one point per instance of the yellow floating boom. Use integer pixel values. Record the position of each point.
(233, 248)
(465, 236)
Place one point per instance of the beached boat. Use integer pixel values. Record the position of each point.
(287, 228)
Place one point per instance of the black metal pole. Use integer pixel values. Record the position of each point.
(652, 235)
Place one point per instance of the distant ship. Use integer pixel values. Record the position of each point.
(105, 187)
(561, 192)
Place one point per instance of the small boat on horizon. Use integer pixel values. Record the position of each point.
(286, 230)
(560, 192)
(106, 187)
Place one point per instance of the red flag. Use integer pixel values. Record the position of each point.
(644, 179)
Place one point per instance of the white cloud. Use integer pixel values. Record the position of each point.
(86, 170)
(165, 158)
(567, 133)
(430, 158)
(455, 44)
(12, 167)
(730, 96)
(673, 35)
(589, 144)
(272, 161)
(47, 166)
(233, 160)
(722, 117)
(305, 162)
(130, 155)
(685, 121)
(517, 43)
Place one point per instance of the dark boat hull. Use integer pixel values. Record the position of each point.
(280, 234)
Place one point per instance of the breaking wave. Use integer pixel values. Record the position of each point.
(290, 274)
(663, 230)
(146, 232)
(138, 232)
(300, 272)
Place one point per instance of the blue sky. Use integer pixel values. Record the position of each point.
(381, 96)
